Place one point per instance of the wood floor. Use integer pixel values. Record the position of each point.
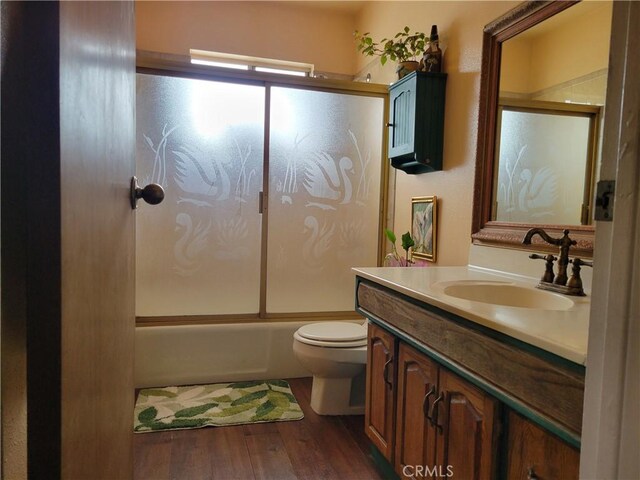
(317, 447)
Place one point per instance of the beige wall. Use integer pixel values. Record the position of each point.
(576, 46)
(460, 26)
(292, 32)
(281, 30)
(515, 71)
(562, 62)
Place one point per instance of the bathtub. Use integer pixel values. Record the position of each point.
(193, 354)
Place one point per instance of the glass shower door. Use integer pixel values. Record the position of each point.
(203, 141)
(324, 197)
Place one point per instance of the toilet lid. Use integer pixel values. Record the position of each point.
(333, 332)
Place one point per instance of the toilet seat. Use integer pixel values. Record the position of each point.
(332, 334)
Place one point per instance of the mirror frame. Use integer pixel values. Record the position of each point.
(484, 230)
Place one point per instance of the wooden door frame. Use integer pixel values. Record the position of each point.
(611, 431)
(31, 252)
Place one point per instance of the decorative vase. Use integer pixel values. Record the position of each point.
(395, 260)
(405, 68)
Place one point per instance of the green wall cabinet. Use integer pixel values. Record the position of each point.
(416, 122)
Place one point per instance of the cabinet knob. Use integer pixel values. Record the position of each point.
(531, 475)
(390, 125)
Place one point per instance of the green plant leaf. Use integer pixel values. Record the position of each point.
(390, 235)
(230, 411)
(264, 409)
(250, 384)
(147, 415)
(156, 392)
(279, 399)
(278, 383)
(407, 241)
(383, 59)
(184, 423)
(406, 29)
(249, 398)
(195, 411)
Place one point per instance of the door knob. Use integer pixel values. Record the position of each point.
(153, 193)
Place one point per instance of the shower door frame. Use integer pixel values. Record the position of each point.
(153, 63)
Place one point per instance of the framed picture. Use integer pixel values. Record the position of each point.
(424, 227)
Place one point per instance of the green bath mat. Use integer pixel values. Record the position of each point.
(199, 406)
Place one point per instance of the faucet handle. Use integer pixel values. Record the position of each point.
(578, 262)
(548, 270)
(575, 281)
(535, 256)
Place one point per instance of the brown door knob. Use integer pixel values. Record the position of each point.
(153, 193)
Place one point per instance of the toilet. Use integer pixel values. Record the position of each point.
(336, 355)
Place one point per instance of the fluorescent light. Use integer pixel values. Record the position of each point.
(244, 62)
(211, 63)
(281, 71)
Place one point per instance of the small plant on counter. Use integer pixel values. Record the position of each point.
(393, 259)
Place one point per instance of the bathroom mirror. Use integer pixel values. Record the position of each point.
(543, 84)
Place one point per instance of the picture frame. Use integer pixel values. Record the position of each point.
(424, 223)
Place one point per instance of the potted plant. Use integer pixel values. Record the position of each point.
(404, 48)
(394, 259)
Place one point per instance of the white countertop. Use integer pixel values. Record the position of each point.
(562, 332)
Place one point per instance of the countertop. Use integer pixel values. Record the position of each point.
(562, 332)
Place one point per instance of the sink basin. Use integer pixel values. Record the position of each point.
(508, 295)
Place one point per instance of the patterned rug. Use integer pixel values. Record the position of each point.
(199, 406)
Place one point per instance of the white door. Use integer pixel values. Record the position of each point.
(611, 420)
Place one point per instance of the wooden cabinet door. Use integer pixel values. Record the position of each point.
(417, 389)
(534, 453)
(467, 429)
(402, 117)
(381, 391)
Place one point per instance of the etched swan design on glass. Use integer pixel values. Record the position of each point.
(231, 240)
(538, 192)
(318, 243)
(190, 244)
(197, 176)
(327, 182)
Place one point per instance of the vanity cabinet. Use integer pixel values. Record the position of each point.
(381, 390)
(533, 453)
(456, 388)
(415, 442)
(442, 422)
(416, 122)
(468, 431)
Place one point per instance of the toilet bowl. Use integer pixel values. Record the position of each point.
(336, 354)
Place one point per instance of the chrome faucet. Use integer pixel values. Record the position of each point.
(560, 282)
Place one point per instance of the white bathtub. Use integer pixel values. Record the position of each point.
(192, 354)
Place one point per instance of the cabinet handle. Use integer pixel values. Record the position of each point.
(425, 402)
(531, 475)
(385, 373)
(433, 416)
(391, 125)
